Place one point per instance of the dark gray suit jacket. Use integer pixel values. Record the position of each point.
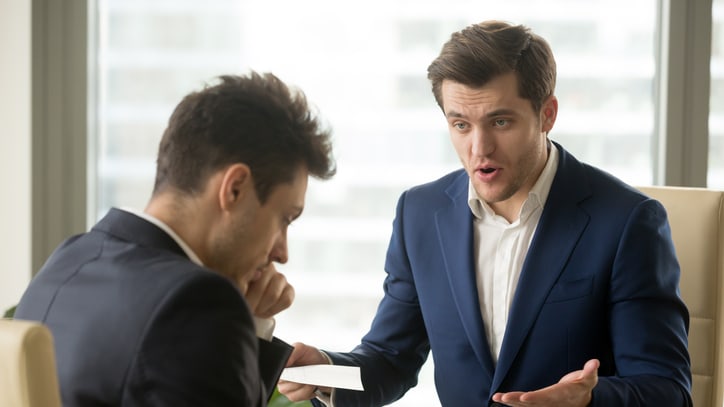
(136, 323)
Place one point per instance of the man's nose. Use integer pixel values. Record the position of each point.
(280, 252)
(482, 143)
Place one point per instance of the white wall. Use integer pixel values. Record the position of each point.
(15, 150)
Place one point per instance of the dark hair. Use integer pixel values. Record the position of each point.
(256, 120)
(486, 50)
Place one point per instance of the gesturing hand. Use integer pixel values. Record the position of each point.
(573, 390)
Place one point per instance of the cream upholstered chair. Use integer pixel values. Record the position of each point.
(697, 227)
(27, 365)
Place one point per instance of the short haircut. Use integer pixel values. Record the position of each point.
(484, 51)
(254, 119)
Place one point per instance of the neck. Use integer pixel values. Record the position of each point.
(184, 216)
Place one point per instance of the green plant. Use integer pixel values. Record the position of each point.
(9, 312)
(279, 400)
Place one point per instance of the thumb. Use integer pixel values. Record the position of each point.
(591, 367)
(590, 372)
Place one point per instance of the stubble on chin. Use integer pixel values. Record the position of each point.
(494, 193)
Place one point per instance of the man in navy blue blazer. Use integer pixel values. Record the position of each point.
(148, 308)
(534, 279)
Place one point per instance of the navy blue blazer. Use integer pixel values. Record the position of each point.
(600, 281)
(136, 323)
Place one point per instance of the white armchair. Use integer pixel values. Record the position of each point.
(697, 227)
(28, 376)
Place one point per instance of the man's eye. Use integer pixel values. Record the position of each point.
(460, 125)
(501, 122)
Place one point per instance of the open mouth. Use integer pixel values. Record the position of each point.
(487, 170)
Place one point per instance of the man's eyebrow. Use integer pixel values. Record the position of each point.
(494, 113)
(453, 113)
(501, 112)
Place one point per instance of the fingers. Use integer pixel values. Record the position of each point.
(284, 300)
(574, 389)
(255, 289)
(269, 294)
(303, 355)
(510, 397)
(296, 391)
(278, 295)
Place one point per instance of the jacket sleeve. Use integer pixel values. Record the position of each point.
(199, 348)
(396, 346)
(648, 319)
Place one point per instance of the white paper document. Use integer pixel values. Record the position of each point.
(340, 377)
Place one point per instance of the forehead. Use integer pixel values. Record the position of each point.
(500, 92)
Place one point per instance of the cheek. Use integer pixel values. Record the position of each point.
(266, 234)
(461, 146)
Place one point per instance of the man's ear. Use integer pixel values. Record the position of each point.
(235, 183)
(548, 113)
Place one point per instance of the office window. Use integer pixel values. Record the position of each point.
(364, 66)
(715, 174)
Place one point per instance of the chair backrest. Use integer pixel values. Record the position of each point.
(695, 216)
(28, 376)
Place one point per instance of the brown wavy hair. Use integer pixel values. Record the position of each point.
(488, 49)
(254, 119)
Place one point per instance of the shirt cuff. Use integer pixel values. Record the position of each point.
(326, 398)
(265, 327)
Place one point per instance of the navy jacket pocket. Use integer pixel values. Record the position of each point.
(570, 290)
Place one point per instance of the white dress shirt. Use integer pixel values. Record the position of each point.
(501, 248)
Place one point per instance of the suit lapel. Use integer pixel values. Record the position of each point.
(455, 233)
(559, 229)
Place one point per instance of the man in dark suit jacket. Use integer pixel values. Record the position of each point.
(147, 308)
(534, 279)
